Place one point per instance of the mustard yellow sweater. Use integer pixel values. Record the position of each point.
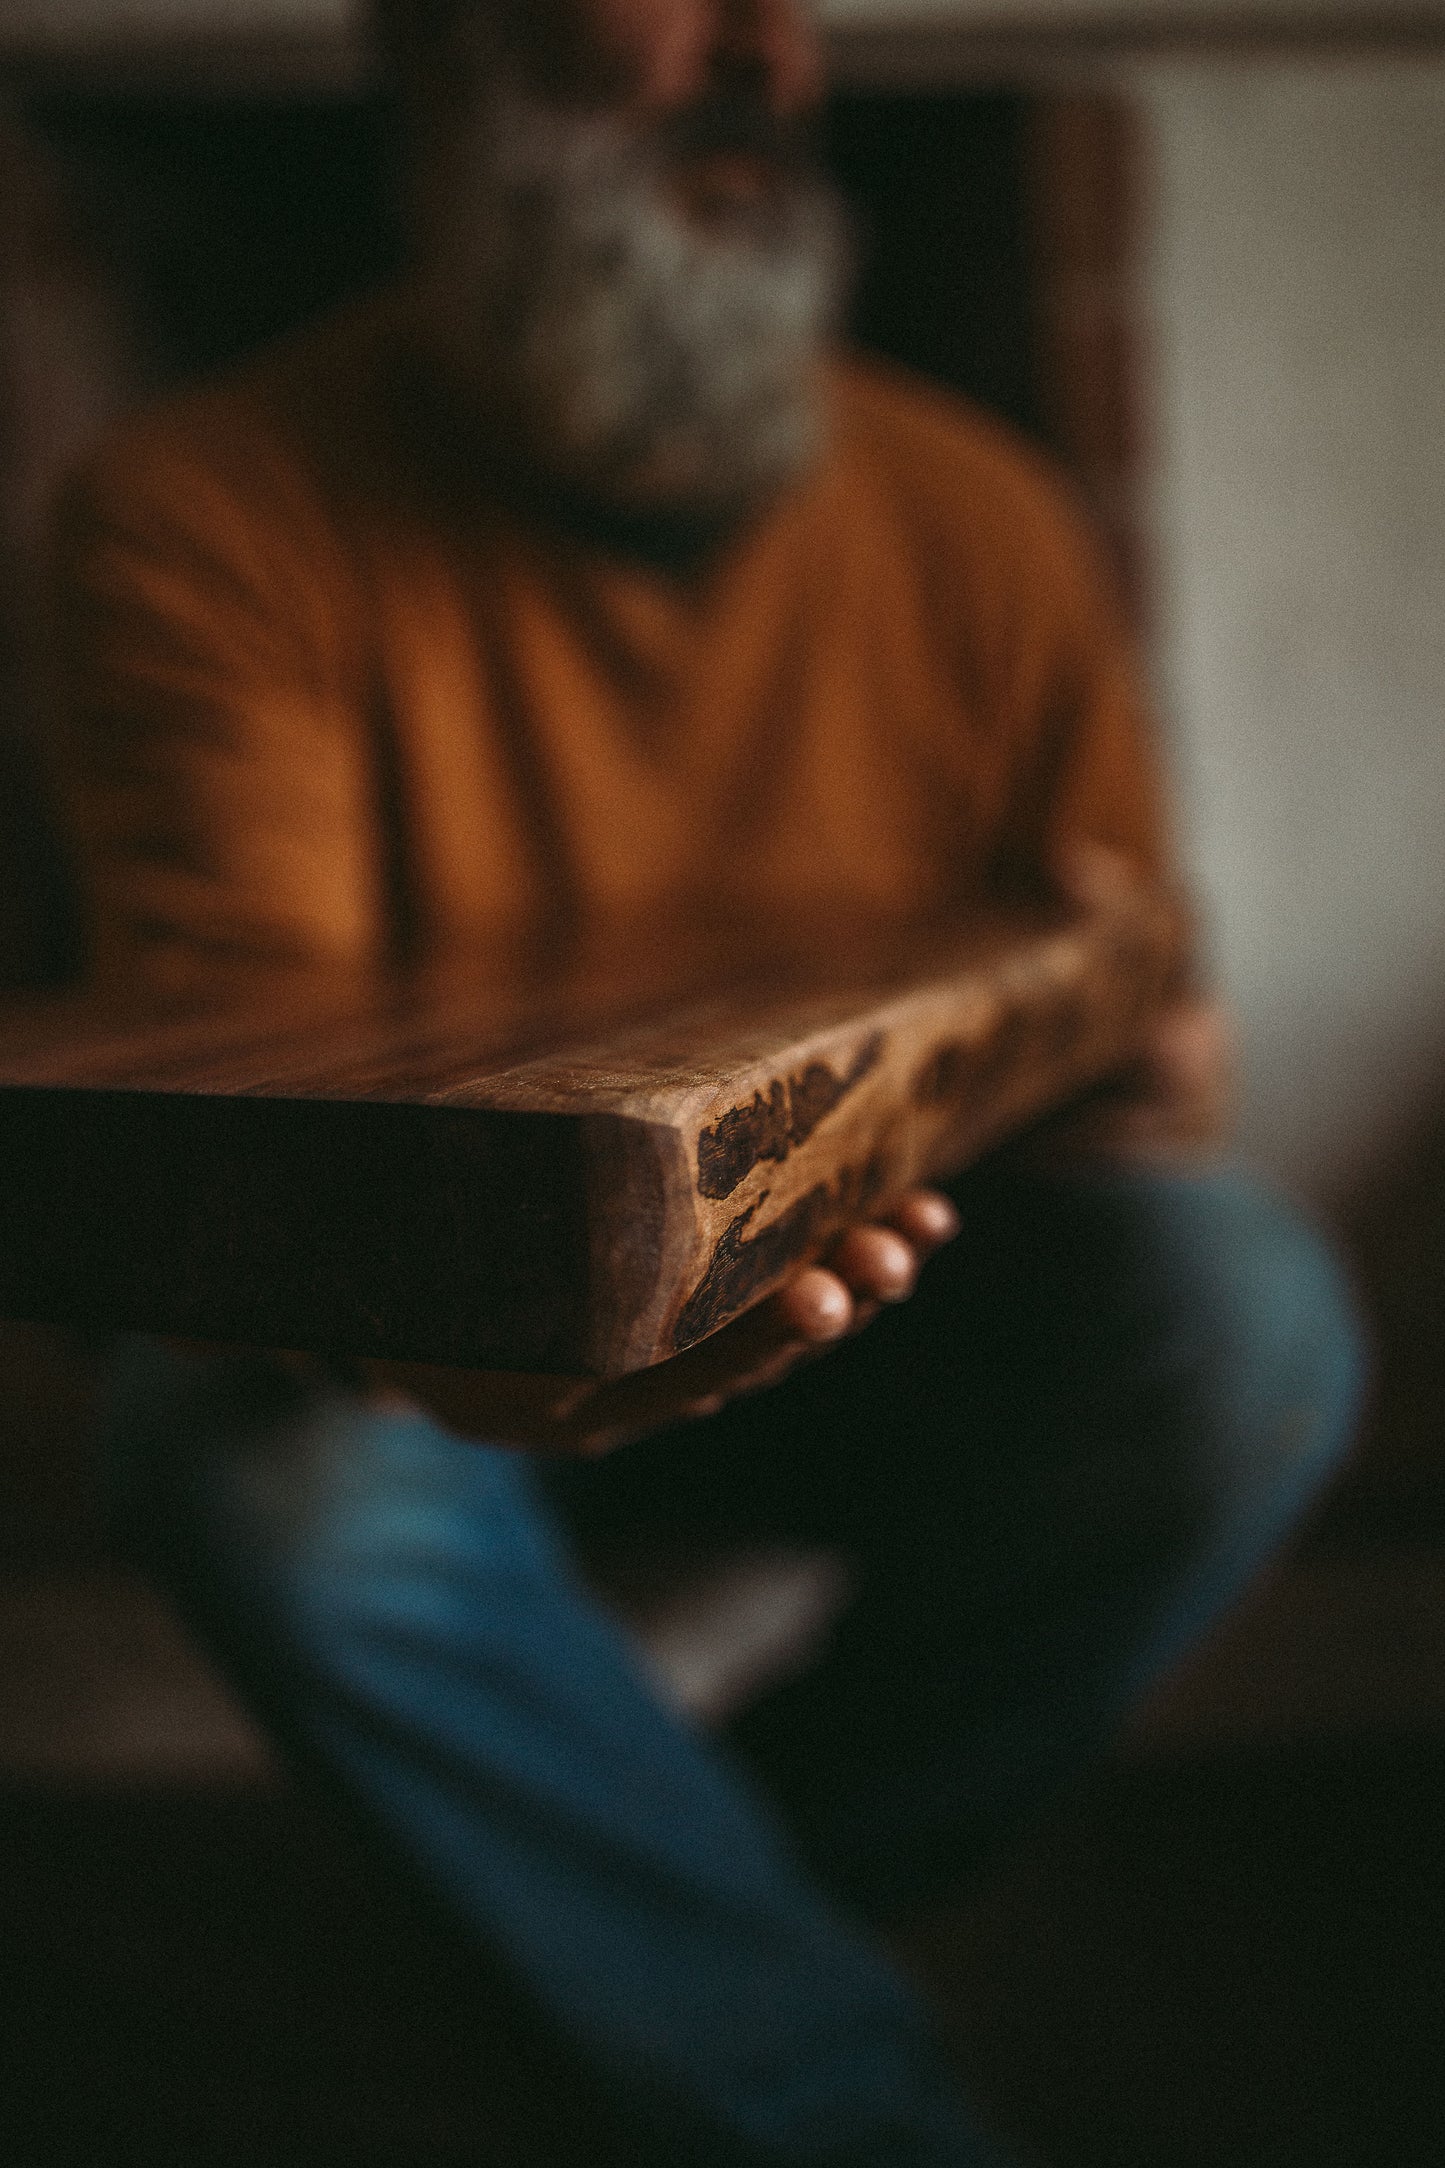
(327, 701)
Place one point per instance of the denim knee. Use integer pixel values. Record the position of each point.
(242, 1489)
(1280, 1360)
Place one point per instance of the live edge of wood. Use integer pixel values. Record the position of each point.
(573, 1184)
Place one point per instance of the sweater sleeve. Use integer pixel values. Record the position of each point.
(1085, 763)
(215, 766)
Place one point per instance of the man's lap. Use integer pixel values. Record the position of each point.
(1106, 1405)
(1096, 1358)
(1103, 1407)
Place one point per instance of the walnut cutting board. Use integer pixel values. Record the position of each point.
(547, 1176)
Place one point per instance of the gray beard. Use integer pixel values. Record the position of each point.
(612, 345)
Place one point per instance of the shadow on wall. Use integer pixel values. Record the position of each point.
(69, 363)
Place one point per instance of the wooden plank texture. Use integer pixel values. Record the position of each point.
(581, 1175)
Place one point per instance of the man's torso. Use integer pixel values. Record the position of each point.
(331, 699)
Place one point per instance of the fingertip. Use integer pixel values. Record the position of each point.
(817, 1305)
(894, 1264)
(876, 1262)
(929, 1218)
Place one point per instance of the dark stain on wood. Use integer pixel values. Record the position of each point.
(770, 1127)
(963, 1072)
(1064, 1024)
(745, 1136)
(739, 1270)
(946, 1075)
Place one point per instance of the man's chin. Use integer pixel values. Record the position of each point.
(713, 481)
(735, 194)
(643, 332)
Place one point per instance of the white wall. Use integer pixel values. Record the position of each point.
(1297, 287)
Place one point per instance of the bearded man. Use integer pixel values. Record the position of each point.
(574, 593)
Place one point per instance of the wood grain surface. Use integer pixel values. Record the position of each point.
(579, 1172)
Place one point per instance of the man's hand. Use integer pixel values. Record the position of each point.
(868, 1267)
(1170, 1106)
(1175, 1101)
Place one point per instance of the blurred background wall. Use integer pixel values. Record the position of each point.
(1294, 289)
(1291, 288)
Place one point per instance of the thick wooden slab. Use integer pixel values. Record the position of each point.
(584, 1179)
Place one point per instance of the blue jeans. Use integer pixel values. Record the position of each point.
(1105, 1406)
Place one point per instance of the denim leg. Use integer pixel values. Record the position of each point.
(1103, 1411)
(393, 1605)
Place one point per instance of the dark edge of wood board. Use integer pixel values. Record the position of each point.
(350, 1228)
